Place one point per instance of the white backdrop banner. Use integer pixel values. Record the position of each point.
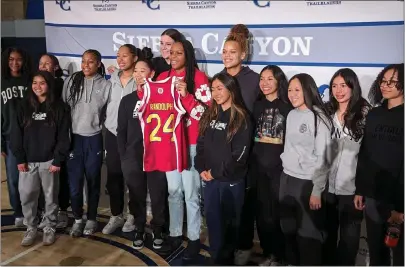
(317, 37)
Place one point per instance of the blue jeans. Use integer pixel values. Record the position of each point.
(185, 185)
(12, 182)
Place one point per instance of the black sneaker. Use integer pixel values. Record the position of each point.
(192, 250)
(175, 242)
(157, 239)
(139, 239)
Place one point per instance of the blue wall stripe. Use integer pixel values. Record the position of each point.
(227, 26)
(265, 63)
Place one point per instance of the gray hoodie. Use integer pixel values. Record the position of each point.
(345, 152)
(306, 156)
(117, 93)
(86, 115)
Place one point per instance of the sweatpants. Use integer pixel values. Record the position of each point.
(223, 208)
(248, 217)
(138, 183)
(12, 182)
(115, 178)
(64, 194)
(29, 186)
(377, 213)
(85, 160)
(303, 228)
(345, 219)
(268, 212)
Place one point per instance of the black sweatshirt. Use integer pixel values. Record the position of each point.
(270, 119)
(129, 131)
(13, 90)
(58, 88)
(248, 81)
(41, 141)
(226, 160)
(380, 167)
(160, 65)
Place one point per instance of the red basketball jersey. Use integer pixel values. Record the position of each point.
(161, 116)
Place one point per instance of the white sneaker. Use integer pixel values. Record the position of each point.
(19, 222)
(113, 224)
(242, 257)
(129, 225)
(29, 237)
(90, 228)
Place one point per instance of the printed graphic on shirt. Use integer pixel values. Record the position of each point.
(218, 125)
(197, 112)
(39, 116)
(388, 133)
(270, 127)
(13, 92)
(137, 106)
(203, 93)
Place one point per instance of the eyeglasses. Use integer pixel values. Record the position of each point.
(389, 83)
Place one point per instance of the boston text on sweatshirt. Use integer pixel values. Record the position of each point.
(41, 140)
(13, 90)
(380, 167)
(305, 155)
(226, 160)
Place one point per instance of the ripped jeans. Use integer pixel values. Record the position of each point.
(84, 162)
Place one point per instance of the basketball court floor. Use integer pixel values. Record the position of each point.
(98, 249)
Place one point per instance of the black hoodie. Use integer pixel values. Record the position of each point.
(58, 88)
(12, 91)
(41, 141)
(249, 85)
(226, 160)
(129, 131)
(380, 167)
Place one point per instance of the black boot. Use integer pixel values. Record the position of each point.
(192, 250)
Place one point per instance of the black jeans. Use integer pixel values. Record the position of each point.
(344, 218)
(115, 177)
(138, 182)
(377, 213)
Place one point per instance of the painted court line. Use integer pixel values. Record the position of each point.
(22, 254)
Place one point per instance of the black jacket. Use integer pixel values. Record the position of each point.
(380, 166)
(160, 65)
(226, 160)
(41, 140)
(248, 81)
(13, 90)
(129, 131)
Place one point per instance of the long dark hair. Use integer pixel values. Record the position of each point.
(33, 102)
(313, 100)
(357, 108)
(77, 79)
(26, 68)
(239, 113)
(375, 95)
(55, 62)
(282, 82)
(191, 65)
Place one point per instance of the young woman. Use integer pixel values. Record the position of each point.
(40, 142)
(222, 152)
(270, 114)
(122, 85)
(305, 169)
(348, 109)
(130, 145)
(380, 167)
(15, 77)
(50, 63)
(167, 39)
(87, 92)
(194, 91)
(234, 52)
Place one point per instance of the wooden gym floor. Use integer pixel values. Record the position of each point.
(98, 249)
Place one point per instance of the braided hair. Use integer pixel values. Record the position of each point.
(77, 79)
